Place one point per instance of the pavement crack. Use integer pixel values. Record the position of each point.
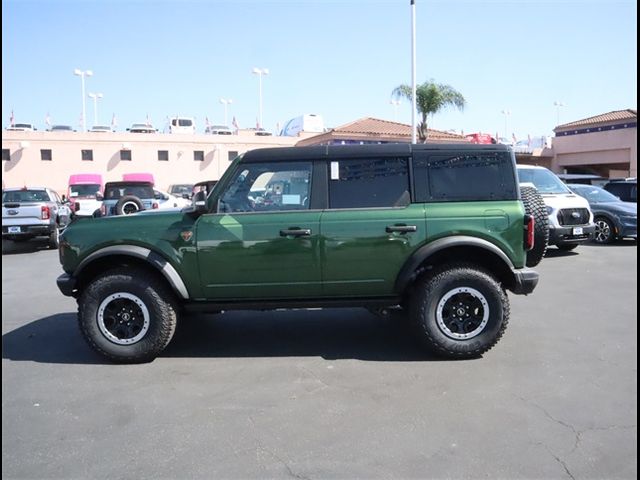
(559, 460)
(576, 433)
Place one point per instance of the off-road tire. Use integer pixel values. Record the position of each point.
(129, 204)
(54, 241)
(430, 297)
(148, 288)
(534, 205)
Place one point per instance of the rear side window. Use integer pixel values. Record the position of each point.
(465, 177)
(369, 183)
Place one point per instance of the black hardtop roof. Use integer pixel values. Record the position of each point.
(344, 151)
(124, 184)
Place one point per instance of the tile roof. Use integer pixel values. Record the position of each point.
(368, 128)
(615, 116)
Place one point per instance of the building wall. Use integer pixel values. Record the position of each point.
(610, 153)
(26, 167)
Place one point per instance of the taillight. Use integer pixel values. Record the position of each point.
(529, 232)
(155, 205)
(45, 213)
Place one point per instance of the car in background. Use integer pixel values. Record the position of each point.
(625, 189)
(218, 130)
(101, 128)
(614, 218)
(185, 125)
(61, 128)
(125, 198)
(21, 127)
(205, 186)
(181, 190)
(141, 128)
(261, 132)
(582, 178)
(30, 212)
(84, 194)
(166, 200)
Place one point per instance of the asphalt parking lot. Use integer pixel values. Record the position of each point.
(328, 394)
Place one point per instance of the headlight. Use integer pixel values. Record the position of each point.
(549, 210)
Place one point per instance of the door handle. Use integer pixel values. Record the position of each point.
(295, 232)
(401, 228)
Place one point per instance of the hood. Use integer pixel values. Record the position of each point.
(565, 200)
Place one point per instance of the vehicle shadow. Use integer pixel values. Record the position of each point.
(27, 246)
(553, 252)
(330, 334)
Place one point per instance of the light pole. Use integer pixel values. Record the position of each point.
(558, 104)
(260, 72)
(395, 104)
(95, 97)
(506, 114)
(82, 74)
(414, 101)
(225, 102)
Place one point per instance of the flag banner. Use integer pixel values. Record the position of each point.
(12, 119)
(47, 120)
(235, 124)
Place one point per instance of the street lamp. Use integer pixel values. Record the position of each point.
(82, 74)
(95, 97)
(558, 104)
(260, 72)
(506, 114)
(395, 104)
(225, 102)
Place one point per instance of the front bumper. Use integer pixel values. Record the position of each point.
(67, 285)
(566, 235)
(526, 280)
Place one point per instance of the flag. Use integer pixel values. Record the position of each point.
(513, 137)
(81, 121)
(47, 120)
(529, 140)
(235, 124)
(114, 122)
(257, 124)
(148, 120)
(497, 137)
(12, 119)
(206, 121)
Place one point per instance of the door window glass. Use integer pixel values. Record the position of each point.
(263, 187)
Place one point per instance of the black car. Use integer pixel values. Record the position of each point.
(613, 217)
(626, 189)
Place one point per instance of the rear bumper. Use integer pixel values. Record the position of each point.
(67, 285)
(526, 280)
(27, 231)
(566, 235)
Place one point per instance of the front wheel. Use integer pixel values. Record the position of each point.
(604, 231)
(460, 311)
(127, 315)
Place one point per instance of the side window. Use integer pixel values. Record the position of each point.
(266, 187)
(369, 183)
(465, 177)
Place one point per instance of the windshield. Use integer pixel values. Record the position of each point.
(83, 190)
(22, 125)
(544, 180)
(25, 196)
(181, 189)
(594, 194)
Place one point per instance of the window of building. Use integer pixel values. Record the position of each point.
(198, 155)
(232, 154)
(369, 183)
(45, 155)
(125, 155)
(87, 155)
(163, 155)
(6, 154)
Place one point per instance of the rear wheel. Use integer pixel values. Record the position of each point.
(460, 311)
(127, 315)
(534, 205)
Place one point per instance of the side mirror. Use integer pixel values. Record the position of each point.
(99, 197)
(200, 203)
(186, 196)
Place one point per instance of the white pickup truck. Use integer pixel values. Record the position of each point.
(33, 212)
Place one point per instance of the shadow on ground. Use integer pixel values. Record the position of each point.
(10, 247)
(330, 334)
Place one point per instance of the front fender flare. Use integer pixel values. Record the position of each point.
(150, 257)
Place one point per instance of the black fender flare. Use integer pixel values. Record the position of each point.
(152, 258)
(409, 268)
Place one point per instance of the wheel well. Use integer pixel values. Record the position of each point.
(111, 262)
(468, 254)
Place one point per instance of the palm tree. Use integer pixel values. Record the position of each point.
(431, 98)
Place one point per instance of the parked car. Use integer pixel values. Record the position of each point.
(61, 128)
(613, 218)
(331, 226)
(167, 200)
(625, 189)
(138, 177)
(84, 194)
(30, 212)
(261, 132)
(205, 186)
(182, 125)
(183, 190)
(101, 128)
(218, 130)
(125, 198)
(22, 127)
(141, 128)
(570, 218)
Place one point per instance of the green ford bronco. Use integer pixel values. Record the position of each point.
(438, 231)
